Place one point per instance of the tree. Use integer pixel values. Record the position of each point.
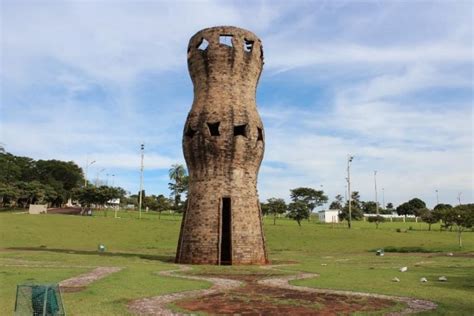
(377, 220)
(265, 209)
(337, 203)
(369, 207)
(428, 217)
(298, 211)
(442, 206)
(50, 181)
(163, 204)
(389, 206)
(463, 218)
(8, 194)
(411, 207)
(61, 175)
(356, 212)
(179, 183)
(276, 207)
(98, 195)
(313, 198)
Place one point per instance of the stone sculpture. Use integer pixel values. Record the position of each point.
(223, 144)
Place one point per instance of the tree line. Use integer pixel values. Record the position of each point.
(24, 181)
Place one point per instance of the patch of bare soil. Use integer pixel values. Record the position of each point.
(79, 282)
(260, 294)
(257, 299)
(65, 210)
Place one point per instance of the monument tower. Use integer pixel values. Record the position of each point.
(223, 145)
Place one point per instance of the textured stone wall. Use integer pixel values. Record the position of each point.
(223, 144)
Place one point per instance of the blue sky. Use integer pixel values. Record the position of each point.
(389, 82)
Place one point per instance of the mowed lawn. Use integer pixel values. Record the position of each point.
(51, 248)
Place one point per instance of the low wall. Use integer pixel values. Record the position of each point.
(38, 209)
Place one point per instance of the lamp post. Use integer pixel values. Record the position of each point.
(349, 160)
(140, 195)
(383, 198)
(87, 167)
(376, 200)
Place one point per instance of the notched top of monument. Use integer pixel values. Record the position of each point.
(225, 49)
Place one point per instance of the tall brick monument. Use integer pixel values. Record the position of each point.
(223, 145)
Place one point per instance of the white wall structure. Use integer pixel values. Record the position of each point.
(329, 216)
(38, 209)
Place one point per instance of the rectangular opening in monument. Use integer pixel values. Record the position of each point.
(226, 231)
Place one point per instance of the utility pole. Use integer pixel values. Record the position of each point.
(437, 197)
(140, 195)
(376, 200)
(349, 160)
(87, 168)
(383, 198)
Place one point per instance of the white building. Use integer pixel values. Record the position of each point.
(329, 216)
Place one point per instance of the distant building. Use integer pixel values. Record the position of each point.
(329, 216)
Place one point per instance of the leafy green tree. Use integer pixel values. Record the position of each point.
(377, 220)
(428, 217)
(411, 207)
(163, 204)
(442, 206)
(265, 209)
(276, 207)
(463, 218)
(298, 211)
(337, 204)
(179, 184)
(356, 208)
(313, 198)
(9, 194)
(369, 207)
(98, 195)
(50, 181)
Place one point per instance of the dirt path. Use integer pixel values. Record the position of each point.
(413, 305)
(157, 305)
(79, 282)
(260, 294)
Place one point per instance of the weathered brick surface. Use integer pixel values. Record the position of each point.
(225, 166)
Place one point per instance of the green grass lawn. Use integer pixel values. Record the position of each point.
(50, 248)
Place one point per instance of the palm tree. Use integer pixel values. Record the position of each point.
(178, 183)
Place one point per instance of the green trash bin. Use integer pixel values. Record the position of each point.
(38, 300)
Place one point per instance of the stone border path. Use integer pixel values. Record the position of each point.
(85, 279)
(413, 305)
(157, 305)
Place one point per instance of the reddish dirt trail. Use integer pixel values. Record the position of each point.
(259, 294)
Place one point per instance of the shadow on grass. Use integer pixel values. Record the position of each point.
(164, 259)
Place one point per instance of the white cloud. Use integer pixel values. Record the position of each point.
(70, 71)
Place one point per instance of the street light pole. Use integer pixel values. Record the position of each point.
(349, 159)
(383, 198)
(87, 168)
(376, 200)
(140, 195)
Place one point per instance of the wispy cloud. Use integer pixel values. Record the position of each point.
(382, 81)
